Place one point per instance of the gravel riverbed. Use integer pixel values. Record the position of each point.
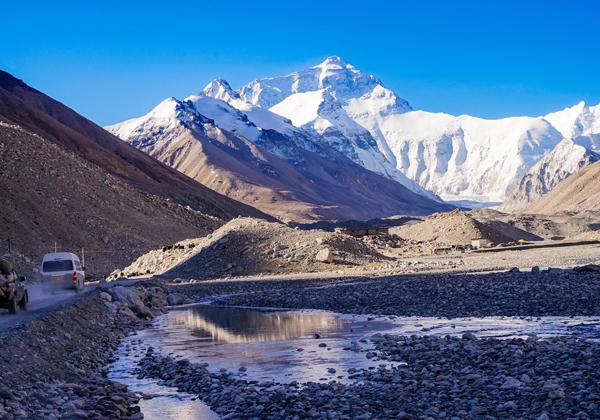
(421, 377)
(560, 293)
(436, 377)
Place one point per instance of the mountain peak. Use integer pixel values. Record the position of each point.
(333, 60)
(220, 89)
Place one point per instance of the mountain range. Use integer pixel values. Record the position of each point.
(335, 112)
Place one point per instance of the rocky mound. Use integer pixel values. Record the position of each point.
(248, 246)
(457, 229)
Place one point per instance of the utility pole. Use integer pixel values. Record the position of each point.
(83, 258)
(55, 247)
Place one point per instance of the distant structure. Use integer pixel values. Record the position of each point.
(479, 243)
(447, 215)
(360, 232)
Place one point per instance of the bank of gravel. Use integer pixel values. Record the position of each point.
(436, 377)
(561, 293)
(55, 367)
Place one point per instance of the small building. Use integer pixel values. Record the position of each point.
(368, 231)
(479, 243)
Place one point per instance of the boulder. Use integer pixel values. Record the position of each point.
(159, 301)
(105, 296)
(126, 295)
(174, 299)
(145, 313)
(325, 255)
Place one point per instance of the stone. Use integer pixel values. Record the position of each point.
(145, 313)
(174, 299)
(126, 295)
(587, 268)
(325, 255)
(107, 297)
(469, 336)
(535, 270)
(511, 383)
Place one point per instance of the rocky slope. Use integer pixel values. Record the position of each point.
(52, 196)
(566, 159)
(40, 114)
(260, 158)
(578, 193)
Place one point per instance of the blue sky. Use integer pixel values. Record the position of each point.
(115, 60)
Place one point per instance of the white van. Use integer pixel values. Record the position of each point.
(62, 270)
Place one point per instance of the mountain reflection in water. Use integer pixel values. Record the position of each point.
(238, 325)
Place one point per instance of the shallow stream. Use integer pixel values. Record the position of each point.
(284, 346)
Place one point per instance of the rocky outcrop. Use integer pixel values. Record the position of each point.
(566, 159)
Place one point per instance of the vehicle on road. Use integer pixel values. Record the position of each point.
(60, 271)
(13, 292)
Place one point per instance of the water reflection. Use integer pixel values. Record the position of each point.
(279, 345)
(236, 325)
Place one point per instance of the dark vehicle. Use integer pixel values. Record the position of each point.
(13, 291)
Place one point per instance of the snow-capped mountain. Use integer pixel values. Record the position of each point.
(580, 123)
(457, 158)
(258, 157)
(566, 159)
(334, 106)
(334, 101)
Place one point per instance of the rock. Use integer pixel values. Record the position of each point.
(174, 299)
(469, 336)
(554, 270)
(145, 313)
(587, 268)
(355, 347)
(535, 270)
(514, 270)
(128, 312)
(158, 301)
(75, 415)
(126, 295)
(325, 255)
(107, 297)
(511, 383)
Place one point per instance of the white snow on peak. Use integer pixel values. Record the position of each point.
(166, 115)
(220, 89)
(225, 116)
(581, 123)
(343, 81)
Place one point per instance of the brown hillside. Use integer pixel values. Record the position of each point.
(42, 115)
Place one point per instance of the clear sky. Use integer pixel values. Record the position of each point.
(114, 60)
